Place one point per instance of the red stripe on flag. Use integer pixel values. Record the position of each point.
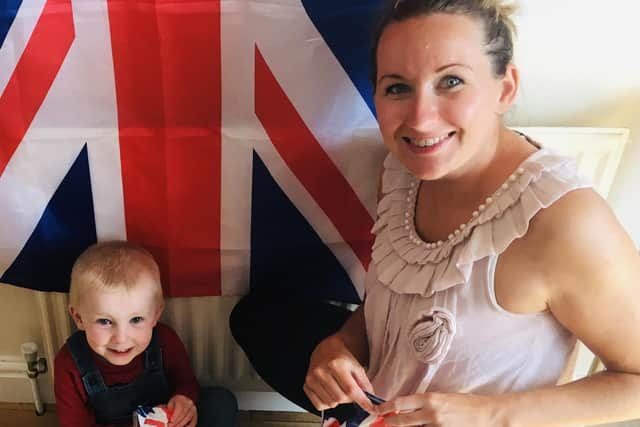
(333, 423)
(168, 84)
(34, 74)
(379, 422)
(310, 163)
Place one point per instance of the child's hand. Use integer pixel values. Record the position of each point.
(184, 410)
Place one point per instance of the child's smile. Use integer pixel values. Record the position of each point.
(119, 322)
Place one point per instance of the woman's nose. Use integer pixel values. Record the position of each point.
(423, 112)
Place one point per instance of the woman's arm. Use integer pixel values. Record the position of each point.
(592, 274)
(336, 370)
(354, 337)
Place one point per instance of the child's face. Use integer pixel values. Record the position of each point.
(118, 322)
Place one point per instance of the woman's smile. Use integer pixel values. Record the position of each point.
(428, 145)
(437, 97)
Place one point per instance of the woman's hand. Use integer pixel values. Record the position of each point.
(184, 412)
(335, 376)
(442, 410)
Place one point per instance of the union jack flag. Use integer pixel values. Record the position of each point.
(234, 139)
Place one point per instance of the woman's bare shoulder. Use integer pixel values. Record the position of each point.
(592, 271)
(563, 241)
(578, 219)
(579, 238)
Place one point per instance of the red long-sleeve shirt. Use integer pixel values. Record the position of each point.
(71, 397)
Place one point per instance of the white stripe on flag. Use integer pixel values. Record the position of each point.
(323, 94)
(91, 62)
(18, 37)
(79, 109)
(243, 27)
(313, 213)
(31, 177)
(239, 130)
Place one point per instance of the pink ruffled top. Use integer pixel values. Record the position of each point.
(433, 322)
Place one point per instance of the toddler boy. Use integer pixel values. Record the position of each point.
(121, 356)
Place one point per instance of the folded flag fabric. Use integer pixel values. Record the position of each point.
(352, 415)
(157, 416)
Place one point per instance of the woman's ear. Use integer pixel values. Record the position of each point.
(75, 315)
(509, 88)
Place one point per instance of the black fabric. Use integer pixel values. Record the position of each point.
(217, 407)
(278, 335)
(115, 404)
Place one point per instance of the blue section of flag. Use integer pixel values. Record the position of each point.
(8, 12)
(66, 228)
(347, 27)
(287, 256)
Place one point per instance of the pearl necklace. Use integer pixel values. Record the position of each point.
(411, 199)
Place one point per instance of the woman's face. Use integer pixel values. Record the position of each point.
(437, 99)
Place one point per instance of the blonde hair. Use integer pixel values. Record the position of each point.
(112, 264)
(496, 16)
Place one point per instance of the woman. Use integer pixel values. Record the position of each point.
(492, 255)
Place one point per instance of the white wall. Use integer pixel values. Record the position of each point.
(579, 67)
(20, 322)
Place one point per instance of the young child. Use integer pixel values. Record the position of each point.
(121, 356)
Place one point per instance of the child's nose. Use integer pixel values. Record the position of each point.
(119, 334)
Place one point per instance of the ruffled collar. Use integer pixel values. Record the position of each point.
(407, 264)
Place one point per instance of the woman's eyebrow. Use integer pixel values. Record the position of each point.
(438, 70)
(455, 64)
(390, 76)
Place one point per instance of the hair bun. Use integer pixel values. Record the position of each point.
(504, 12)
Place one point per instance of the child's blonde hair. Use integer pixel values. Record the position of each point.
(110, 265)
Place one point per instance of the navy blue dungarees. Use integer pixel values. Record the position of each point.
(115, 404)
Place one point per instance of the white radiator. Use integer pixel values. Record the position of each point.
(203, 325)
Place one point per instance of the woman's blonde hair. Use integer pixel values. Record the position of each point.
(494, 14)
(110, 265)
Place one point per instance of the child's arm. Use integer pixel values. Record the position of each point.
(70, 398)
(182, 380)
(184, 411)
(177, 365)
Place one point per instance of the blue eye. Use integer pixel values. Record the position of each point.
(449, 82)
(103, 322)
(137, 319)
(396, 89)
